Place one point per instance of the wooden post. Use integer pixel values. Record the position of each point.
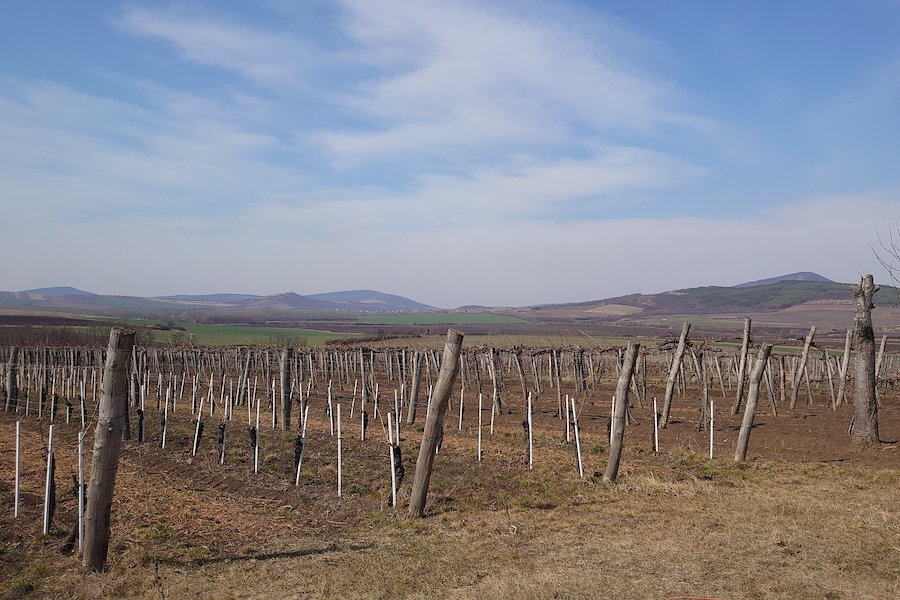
(618, 420)
(845, 366)
(434, 423)
(740, 452)
(107, 445)
(414, 393)
(673, 374)
(742, 369)
(864, 427)
(12, 388)
(798, 376)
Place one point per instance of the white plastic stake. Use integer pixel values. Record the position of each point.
(530, 436)
(711, 423)
(577, 440)
(393, 474)
(256, 445)
(81, 492)
(47, 483)
(197, 429)
(165, 420)
(339, 450)
(655, 428)
(18, 461)
(479, 427)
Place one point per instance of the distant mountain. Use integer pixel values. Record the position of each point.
(371, 300)
(801, 276)
(58, 291)
(723, 300)
(288, 301)
(214, 298)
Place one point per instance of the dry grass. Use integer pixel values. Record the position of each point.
(674, 524)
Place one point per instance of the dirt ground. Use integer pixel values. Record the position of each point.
(677, 523)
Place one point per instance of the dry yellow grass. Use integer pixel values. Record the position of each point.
(676, 524)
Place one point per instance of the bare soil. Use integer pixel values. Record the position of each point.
(805, 517)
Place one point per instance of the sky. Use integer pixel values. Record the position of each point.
(501, 153)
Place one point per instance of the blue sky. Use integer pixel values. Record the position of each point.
(497, 153)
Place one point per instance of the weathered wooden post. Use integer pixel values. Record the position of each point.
(618, 420)
(795, 384)
(759, 368)
(673, 374)
(845, 369)
(107, 445)
(742, 369)
(12, 387)
(414, 394)
(434, 423)
(864, 427)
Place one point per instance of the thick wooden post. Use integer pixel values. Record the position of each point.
(673, 373)
(795, 384)
(618, 420)
(107, 445)
(864, 427)
(762, 358)
(742, 369)
(434, 422)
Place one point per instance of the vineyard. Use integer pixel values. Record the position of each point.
(287, 472)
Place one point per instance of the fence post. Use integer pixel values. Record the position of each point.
(434, 422)
(107, 445)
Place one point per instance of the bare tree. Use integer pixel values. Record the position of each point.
(864, 427)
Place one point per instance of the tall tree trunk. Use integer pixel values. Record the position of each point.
(107, 445)
(434, 422)
(864, 428)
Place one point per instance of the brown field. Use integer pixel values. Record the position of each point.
(805, 517)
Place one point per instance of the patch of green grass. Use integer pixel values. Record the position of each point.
(441, 319)
(225, 335)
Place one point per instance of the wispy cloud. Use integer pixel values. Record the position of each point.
(540, 140)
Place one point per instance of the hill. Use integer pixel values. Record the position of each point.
(801, 276)
(58, 291)
(372, 300)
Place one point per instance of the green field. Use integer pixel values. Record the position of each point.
(226, 335)
(441, 319)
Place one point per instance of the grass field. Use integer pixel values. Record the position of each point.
(226, 335)
(441, 319)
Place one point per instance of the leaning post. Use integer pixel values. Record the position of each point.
(434, 422)
(673, 374)
(618, 420)
(762, 360)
